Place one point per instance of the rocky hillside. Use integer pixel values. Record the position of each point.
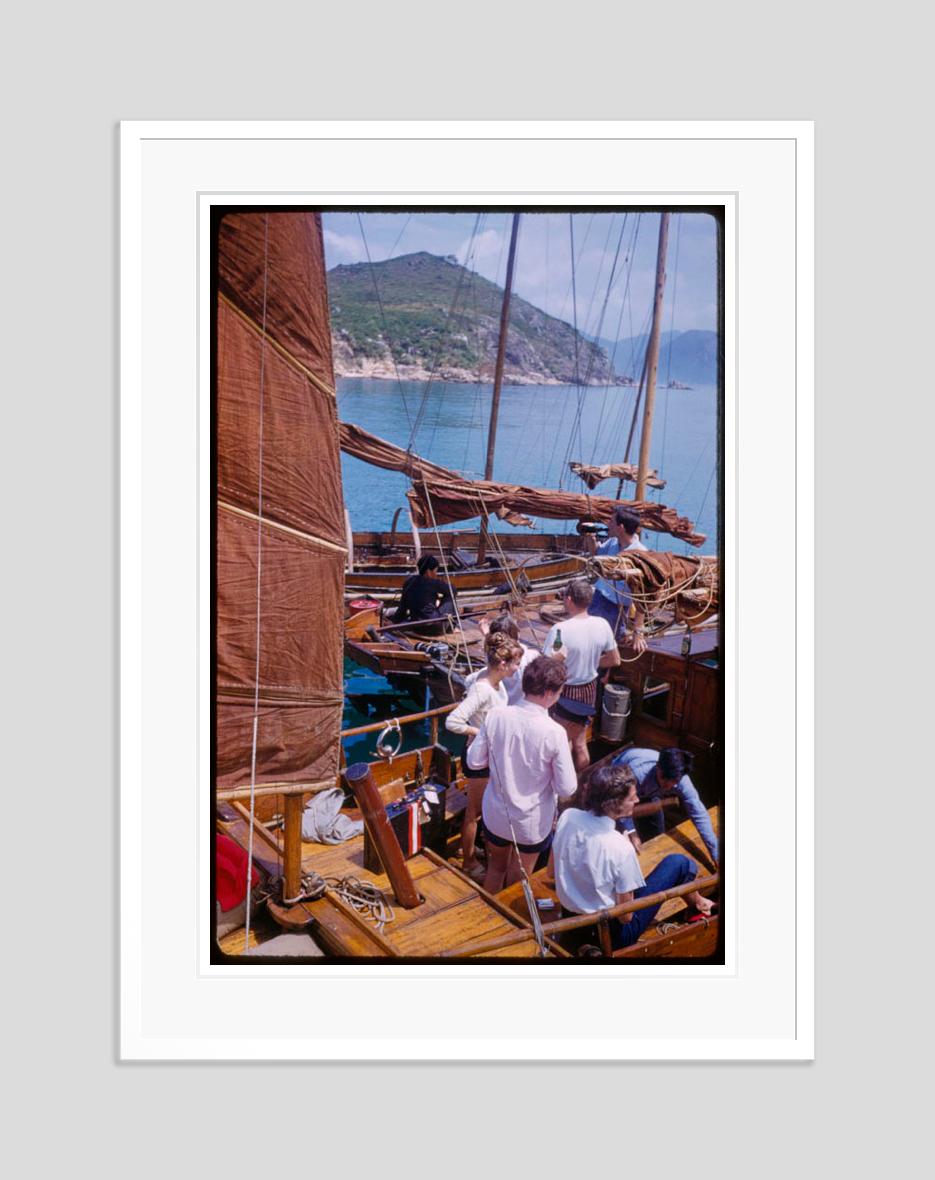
(438, 317)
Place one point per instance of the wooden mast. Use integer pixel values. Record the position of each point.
(498, 380)
(652, 359)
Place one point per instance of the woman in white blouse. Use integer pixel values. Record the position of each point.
(485, 693)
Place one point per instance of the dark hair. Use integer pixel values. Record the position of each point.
(608, 785)
(627, 518)
(427, 562)
(500, 649)
(580, 591)
(673, 763)
(542, 675)
(504, 625)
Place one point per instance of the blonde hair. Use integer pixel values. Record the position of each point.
(500, 649)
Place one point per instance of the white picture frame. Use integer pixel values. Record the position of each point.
(174, 1003)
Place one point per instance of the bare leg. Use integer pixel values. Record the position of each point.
(528, 860)
(475, 798)
(578, 742)
(498, 861)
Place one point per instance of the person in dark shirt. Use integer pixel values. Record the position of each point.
(425, 594)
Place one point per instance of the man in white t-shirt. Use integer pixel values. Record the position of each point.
(586, 643)
(596, 866)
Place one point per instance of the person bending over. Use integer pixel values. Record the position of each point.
(596, 866)
(666, 773)
(486, 691)
(530, 768)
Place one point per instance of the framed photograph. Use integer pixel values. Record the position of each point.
(466, 559)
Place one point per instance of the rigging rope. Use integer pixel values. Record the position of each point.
(527, 886)
(438, 349)
(386, 331)
(259, 571)
(451, 589)
(363, 897)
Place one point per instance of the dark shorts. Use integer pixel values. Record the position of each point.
(499, 842)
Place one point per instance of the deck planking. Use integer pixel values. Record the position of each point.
(454, 913)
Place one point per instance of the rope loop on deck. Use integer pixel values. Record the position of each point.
(363, 897)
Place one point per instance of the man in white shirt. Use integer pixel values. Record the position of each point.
(586, 644)
(612, 598)
(530, 770)
(596, 866)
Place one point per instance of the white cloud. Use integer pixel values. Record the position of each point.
(342, 248)
(482, 253)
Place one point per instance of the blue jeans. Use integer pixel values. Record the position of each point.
(672, 870)
(615, 615)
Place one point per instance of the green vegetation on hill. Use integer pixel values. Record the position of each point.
(438, 316)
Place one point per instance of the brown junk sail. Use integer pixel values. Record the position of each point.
(279, 504)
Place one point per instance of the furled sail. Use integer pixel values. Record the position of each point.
(443, 502)
(593, 475)
(373, 449)
(279, 504)
(658, 579)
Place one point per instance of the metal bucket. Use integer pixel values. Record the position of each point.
(614, 712)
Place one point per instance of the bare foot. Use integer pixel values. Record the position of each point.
(703, 905)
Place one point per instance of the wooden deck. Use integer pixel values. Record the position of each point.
(455, 913)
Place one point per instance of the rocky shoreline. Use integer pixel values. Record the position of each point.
(382, 370)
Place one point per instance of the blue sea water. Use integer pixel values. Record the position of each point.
(541, 428)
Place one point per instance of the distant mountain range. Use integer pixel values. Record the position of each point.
(421, 315)
(683, 356)
(435, 316)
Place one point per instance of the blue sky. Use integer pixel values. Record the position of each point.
(543, 273)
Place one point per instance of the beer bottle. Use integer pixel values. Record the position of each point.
(557, 641)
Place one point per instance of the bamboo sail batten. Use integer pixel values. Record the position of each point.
(268, 338)
(270, 522)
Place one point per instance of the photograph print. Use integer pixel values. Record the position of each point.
(466, 579)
